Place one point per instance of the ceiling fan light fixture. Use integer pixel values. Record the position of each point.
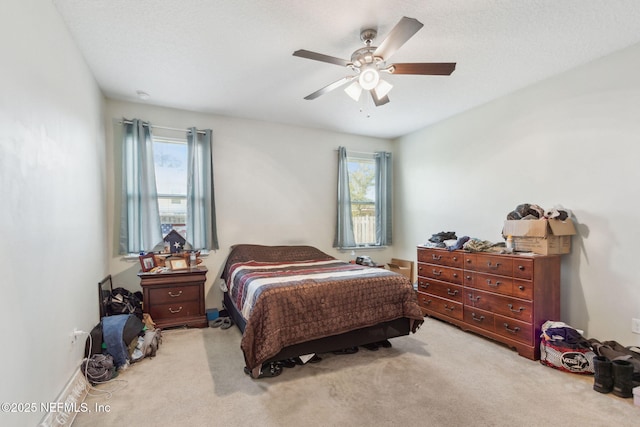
(369, 78)
(354, 90)
(383, 89)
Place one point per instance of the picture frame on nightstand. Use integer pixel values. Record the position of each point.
(178, 263)
(147, 262)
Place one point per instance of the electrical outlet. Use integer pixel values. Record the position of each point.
(635, 326)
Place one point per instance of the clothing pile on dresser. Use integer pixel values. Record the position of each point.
(449, 240)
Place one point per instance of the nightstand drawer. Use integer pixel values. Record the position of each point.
(175, 310)
(174, 294)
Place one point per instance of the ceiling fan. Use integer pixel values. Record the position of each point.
(367, 63)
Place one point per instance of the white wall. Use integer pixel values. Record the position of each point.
(573, 140)
(274, 184)
(53, 193)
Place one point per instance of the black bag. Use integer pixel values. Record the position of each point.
(123, 301)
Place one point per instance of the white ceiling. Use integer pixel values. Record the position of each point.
(234, 57)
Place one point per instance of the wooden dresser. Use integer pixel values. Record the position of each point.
(175, 298)
(503, 297)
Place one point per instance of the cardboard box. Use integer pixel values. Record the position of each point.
(402, 266)
(540, 236)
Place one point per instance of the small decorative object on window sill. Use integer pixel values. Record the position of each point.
(176, 242)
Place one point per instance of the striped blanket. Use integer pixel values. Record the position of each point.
(247, 281)
(289, 298)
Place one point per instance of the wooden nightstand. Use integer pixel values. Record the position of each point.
(175, 298)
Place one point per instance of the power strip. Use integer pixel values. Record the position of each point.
(68, 402)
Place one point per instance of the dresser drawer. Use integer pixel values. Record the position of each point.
(523, 268)
(500, 265)
(437, 272)
(173, 294)
(522, 289)
(514, 329)
(499, 304)
(440, 257)
(442, 289)
(480, 318)
(487, 282)
(440, 305)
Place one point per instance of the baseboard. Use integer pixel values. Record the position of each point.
(63, 410)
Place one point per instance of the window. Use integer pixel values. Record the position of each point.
(364, 200)
(182, 188)
(362, 173)
(170, 160)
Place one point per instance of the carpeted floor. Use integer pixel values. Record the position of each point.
(440, 376)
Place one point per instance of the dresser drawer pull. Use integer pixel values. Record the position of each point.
(172, 295)
(521, 287)
(521, 267)
(175, 311)
(476, 299)
(446, 307)
(426, 301)
(494, 285)
(423, 285)
(455, 258)
(520, 310)
(452, 293)
(493, 266)
(476, 318)
(437, 273)
(513, 331)
(436, 257)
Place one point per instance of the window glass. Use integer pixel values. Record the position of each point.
(362, 192)
(170, 158)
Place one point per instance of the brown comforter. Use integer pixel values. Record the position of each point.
(305, 308)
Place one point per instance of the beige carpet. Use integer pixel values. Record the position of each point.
(440, 376)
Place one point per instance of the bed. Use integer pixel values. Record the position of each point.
(294, 300)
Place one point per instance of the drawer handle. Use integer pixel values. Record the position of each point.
(493, 266)
(420, 268)
(476, 318)
(513, 331)
(520, 310)
(436, 273)
(468, 260)
(172, 295)
(468, 277)
(436, 257)
(446, 307)
(455, 258)
(476, 299)
(521, 287)
(452, 293)
(426, 301)
(521, 267)
(175, 311)
(424, 285)
(494, 285)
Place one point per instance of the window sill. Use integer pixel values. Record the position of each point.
(362, 248)
(135, 257)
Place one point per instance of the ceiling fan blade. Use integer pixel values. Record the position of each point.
(403, 31)
(378, 101)
(330, 87)
(320, 57)
(425, 68)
